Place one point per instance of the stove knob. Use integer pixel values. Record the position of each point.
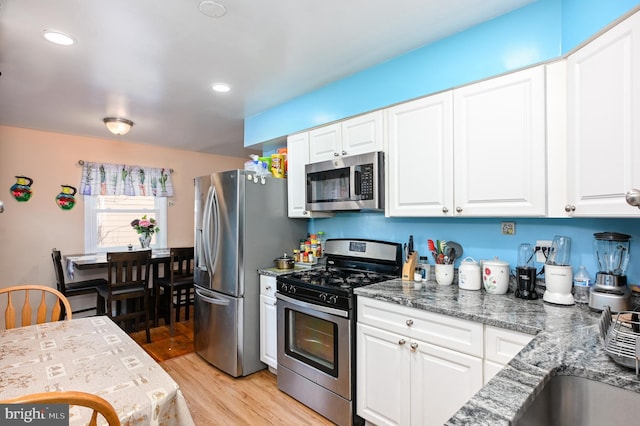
(292, 289)
(323, 297)
(333, 299)
(284, 288)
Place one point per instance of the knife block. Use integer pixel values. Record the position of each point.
(409, 266)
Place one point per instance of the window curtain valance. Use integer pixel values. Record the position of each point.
(122, 179)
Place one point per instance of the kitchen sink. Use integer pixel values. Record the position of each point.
(571, 400)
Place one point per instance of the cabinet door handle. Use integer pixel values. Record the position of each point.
(409, 322)
(268, 287)
(459, 209)
(304, 212)
(335, 154)
(569, 208)
(344, 152)
(402, 342)
(445, 210)
(414, 346)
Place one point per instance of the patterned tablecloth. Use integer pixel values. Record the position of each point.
(92, 355)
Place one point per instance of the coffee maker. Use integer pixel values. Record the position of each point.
(612, 254)
(526, 273)
(558, 273)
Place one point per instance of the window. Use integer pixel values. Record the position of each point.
(107, 221)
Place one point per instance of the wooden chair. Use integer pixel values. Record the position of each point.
(60, 302)
(128, 286)
(75, 288)
(178, 282)
(96, 403)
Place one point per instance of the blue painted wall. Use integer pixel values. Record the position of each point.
(481, 238)
(541, 31)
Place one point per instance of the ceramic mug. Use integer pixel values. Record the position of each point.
(444, 273)
(495, 276)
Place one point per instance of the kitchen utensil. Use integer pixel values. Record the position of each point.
(284, 262)
(610, 289)
(469, 276)
(559, 282)
(526, 273)
(495, 276)
(456, 249)
(560, 251)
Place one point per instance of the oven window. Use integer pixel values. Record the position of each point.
(328, 186)
(312, 340)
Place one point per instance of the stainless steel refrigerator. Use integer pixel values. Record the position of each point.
(241, 225)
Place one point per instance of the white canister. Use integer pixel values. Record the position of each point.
(469, 276)
(495, 276)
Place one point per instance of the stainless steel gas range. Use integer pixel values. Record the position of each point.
(317, 323)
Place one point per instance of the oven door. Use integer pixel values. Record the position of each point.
(315, 342)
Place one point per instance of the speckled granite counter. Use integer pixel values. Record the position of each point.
(275, 272)
(567, 342)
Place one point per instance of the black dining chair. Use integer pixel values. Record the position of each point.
(175, 288)
(127, 286)
(74, 288)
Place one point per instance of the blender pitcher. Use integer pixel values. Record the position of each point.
(612, 254)
(526, 273)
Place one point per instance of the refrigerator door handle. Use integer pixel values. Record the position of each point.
(215, 218)
(212, 300)
(206, 231)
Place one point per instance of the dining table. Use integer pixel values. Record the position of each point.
(83, 262)
(91, 355)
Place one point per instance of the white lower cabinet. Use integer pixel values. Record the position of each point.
(500, 347)
(414, 367)
(268, 325)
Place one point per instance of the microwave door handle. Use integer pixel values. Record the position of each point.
(356, 187)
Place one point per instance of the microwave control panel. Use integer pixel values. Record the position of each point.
(366, 182)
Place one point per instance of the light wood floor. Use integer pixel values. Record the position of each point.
(215, 398)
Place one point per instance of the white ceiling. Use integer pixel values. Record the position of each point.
(154, 61)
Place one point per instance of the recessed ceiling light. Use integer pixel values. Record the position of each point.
(212, 9)
(57, 37)
(220, 87)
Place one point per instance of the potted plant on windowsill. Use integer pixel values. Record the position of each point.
(145, 227)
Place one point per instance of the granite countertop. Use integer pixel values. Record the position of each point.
(275, 272)
(567, 342)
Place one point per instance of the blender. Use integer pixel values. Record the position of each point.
(558, 273)
(526, 273)
(612, 254)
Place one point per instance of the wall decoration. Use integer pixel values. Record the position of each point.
(66, 198)
(21, 190)
(122, 179)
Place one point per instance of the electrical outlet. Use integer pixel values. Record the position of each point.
(542, 250)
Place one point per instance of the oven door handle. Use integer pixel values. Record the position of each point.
(320, 308)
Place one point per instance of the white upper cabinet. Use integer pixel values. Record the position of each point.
(354, 136)
(499, 146)
(475, 151)
(420, 157)
(603, 122)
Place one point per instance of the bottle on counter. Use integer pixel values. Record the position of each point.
(581, 285)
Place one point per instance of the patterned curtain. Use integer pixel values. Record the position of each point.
(121, 179)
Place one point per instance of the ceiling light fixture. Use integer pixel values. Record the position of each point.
(117, 125)
(58, 38)
(220, 87)
(212, 9)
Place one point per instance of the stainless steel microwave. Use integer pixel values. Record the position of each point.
(346, 183)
